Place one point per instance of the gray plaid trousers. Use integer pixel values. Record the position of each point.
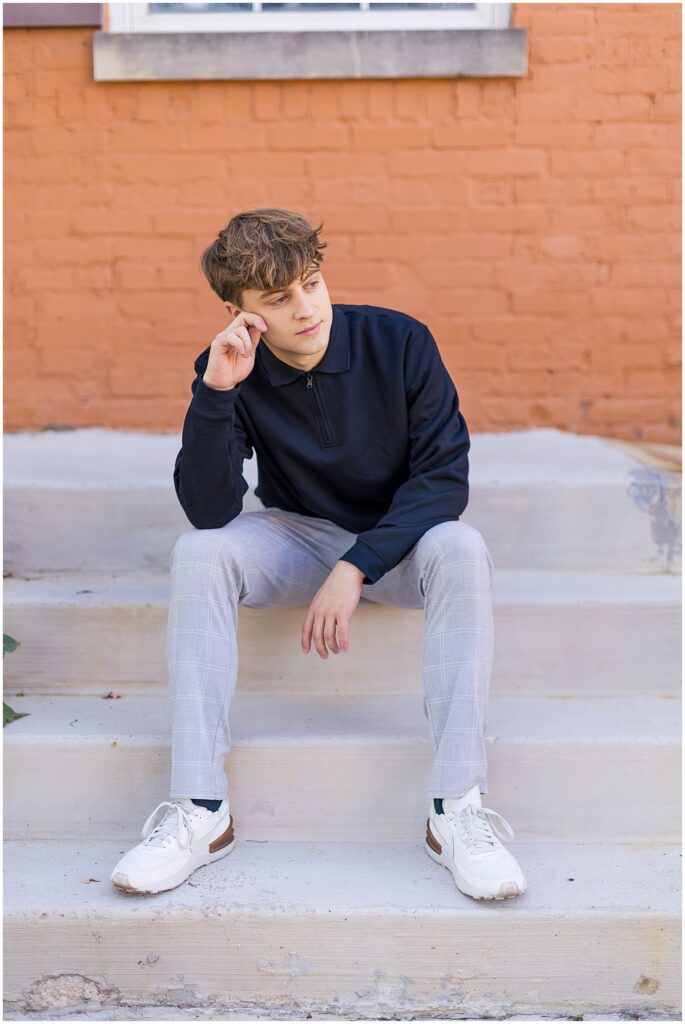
(273, 558)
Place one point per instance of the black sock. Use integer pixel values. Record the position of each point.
(438, 805)
(212, 805)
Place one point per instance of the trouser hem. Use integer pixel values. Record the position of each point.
(454, 791)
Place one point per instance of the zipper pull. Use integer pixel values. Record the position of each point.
(309, 381)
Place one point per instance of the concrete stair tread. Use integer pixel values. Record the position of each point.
(293, 930)
(296, 718)
(97, 456)
(551, 484)
(45, 878)
(593, 634)
(524, 586)
(605, 769)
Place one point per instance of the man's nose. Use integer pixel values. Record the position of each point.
(305, 307)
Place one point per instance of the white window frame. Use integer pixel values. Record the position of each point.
(124, 17)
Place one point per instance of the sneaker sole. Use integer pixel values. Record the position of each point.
(200, 860)
(507, 890)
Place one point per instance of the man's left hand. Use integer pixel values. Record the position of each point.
(333, 606)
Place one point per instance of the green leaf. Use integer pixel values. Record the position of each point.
(9, 714)
(9, 644)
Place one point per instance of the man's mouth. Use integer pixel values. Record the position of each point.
(311, 330)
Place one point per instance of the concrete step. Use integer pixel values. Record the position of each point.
(101, 499)
(319, 768)
(287, 930)
(593, 635)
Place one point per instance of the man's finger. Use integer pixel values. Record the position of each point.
(255, 319)
(317, 634)
(329, 634)
(343, 635)
(306, 635)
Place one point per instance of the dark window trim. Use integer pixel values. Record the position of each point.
(51, 15)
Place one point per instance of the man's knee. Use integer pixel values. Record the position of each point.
(205, 545)
(456, 540)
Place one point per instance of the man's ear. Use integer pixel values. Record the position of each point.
(232, 310)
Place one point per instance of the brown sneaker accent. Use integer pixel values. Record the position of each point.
(223, 840)
(430, 838)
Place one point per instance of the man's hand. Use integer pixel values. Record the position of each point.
(232, 352)
(333, 606)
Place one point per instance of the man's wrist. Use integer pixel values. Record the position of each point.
(350, 565)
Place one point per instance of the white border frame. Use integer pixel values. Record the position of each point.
(124, 17)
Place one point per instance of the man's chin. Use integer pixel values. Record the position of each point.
(313, 342)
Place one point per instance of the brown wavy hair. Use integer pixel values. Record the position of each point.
(261, 249)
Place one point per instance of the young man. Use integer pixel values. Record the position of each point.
(362, 456)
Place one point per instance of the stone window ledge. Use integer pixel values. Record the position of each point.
(452, 53)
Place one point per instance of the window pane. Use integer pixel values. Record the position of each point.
(192, 8)
(423, 7)
(211, 7)
(310, 7)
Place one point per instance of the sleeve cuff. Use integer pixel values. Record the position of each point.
(215, 404)
(367, 560)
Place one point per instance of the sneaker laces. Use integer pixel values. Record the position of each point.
(479, 825)
(177, 825)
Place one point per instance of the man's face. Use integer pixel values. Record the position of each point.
(287, 313)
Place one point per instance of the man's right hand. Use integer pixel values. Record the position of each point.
(232, 353)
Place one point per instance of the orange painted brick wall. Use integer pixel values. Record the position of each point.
(532, 223)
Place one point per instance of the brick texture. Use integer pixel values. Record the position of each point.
(532, 223)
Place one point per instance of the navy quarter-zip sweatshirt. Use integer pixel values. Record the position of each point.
(371, 438)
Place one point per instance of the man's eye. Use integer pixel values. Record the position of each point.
(277, 301)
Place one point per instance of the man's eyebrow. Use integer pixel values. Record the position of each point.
(272, 291)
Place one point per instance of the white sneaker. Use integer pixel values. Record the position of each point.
(462, 840)
(186, 837)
